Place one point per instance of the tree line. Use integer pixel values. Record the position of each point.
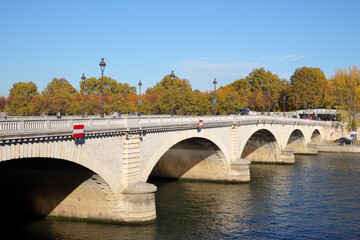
(261, 90)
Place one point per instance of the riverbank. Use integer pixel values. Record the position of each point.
(338, 148)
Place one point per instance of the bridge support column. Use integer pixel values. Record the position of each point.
(138, 203)
(312, 148)
(137, 199)
(287, 156)
(240, 171)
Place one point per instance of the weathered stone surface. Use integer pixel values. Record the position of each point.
(123, 153)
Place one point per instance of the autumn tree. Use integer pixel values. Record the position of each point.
(20, 98)
(308, 88)
(347, 91)
(59, 94)
(2, 103)
(260, 90)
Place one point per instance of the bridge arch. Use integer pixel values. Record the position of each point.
(316, 136)
(61, 182)
(296, 140)
(213, 151)
(51, 150)
(261, 146)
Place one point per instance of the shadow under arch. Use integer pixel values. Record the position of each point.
(316, 136)
(54, 151)
(297, 142)
(192, 158)
(41, 187)
(261, 147)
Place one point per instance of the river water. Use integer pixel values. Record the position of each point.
(317, 198)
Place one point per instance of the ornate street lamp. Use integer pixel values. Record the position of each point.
(215, 82)
(83, 81)
(102, 68)
(182, 100)
(172, 75)
(140, 84)
(212, 103)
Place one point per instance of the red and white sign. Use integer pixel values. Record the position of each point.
(78, 131)
(200, 123)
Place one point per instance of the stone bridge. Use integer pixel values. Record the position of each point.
(104, 176)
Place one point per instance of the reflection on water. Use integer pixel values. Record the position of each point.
(317, 198)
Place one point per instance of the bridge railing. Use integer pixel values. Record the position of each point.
(131, 122)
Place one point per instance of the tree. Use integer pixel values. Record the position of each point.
(309, 86)
(20, 98)
(59, 94)
(202, 104)
(347, 90)
(93, 86)
(2, 103)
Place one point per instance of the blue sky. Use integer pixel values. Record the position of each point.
(198, 40)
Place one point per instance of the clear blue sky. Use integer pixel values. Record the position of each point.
(198, 40)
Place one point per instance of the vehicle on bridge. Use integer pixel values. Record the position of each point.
(244, 111)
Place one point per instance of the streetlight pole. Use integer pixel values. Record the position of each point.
(215, 82)
(284, 104)
(102, 68)
(212, 103)
(83, 109)
(140, 84)
(182, 100)
(172, 75)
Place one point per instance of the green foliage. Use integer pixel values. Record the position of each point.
(309, 88)
(20, 98)
(92, 106)
(2, 103)
(59, 96)
(261, 90)
(346, 88)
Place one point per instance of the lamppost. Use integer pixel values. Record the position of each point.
(140, 84)
(284, 104)
(102, 68)
(83, 109)
(182, 100)
(172, 75)
(212, 103)
(268, 103)
(215, 82)
(246, 89)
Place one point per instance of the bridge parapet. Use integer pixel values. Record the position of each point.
(28, 125)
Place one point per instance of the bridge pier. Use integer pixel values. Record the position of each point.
(138, 203)
(287, 156)
(240, 171)
(312, 148)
